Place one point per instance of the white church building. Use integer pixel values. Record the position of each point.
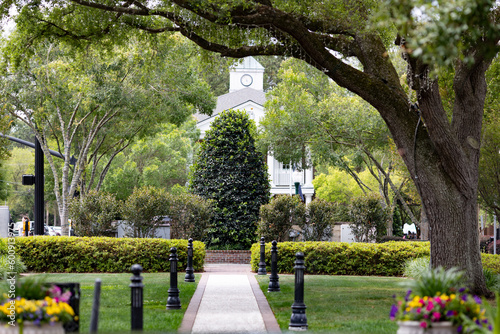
(246, 92)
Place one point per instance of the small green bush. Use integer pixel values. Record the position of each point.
(144, 210)
(340, 258)
(92, 214)
(277, 217)
(320, 216)
(102, 254)
(190, 216)
(368, 218)
(415, 267)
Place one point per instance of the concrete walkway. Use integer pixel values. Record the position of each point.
(228, 300)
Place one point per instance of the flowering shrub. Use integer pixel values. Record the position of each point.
(462, 309)
(51, 309)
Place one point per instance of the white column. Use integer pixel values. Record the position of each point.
(270, 169)
(308, 198)
(309, 176)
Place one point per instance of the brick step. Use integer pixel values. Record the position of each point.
(228, 256)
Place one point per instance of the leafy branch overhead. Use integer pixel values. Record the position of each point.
(350, 42)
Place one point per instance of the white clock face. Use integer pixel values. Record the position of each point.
(246, 80)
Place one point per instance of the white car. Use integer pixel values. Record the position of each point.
(57, 230)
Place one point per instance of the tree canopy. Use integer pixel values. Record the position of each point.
(349, 42)
(91, 104)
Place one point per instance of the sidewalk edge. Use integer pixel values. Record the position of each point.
(194, 305)
(267, 314)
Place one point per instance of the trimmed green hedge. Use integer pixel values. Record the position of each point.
(101, 254)
(491, 262)
(340, 258)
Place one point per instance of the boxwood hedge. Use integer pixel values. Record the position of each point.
(101, 254)
(339, 258)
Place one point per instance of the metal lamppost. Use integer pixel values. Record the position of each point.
(274, 284)
(189, 269)
(297, 180)
(173, 300)
(298, 320)
(262, 264)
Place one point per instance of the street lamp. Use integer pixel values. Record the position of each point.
(297, 180)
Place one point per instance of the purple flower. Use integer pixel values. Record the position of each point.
(464, 298)
(460, 328)
(490, 327)
(394, 310)
(451, 313)
(477, 300)
(461, 290)
(407, 297)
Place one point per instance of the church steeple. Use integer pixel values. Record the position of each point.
(248, 74)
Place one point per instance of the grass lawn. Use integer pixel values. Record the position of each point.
(114, 315)
(338, 304)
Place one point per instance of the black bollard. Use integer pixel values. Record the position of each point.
(173, 301)
(274, 279)
(298, 320)
(189, 269)
(94, 318)
(136, 288)
(262, 264)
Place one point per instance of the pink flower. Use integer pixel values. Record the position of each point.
(423, 324)
(430, 306)
(436, 316)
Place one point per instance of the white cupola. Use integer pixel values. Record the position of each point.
(247, 74)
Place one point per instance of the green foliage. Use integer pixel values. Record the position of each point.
(21, 199)
(278, 217)
(91, 215)
(318, 225)
(11, 264)
(102, 254)
(436, 281)
(415, 267)
(492, 279)
(491, 262)
(489, 177)
(160, 161)
(231, 172)
(397, 222)
(445, 32)
(368, 219)
(340, 258)
(31, 287)
(190, 216)
(338, 186)
(144, 210)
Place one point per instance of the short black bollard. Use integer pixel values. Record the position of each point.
(298, 320)
(94, 317)
(189, 269)
(136, 288)
(274, 279)
(173, 301)
(262, 264)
